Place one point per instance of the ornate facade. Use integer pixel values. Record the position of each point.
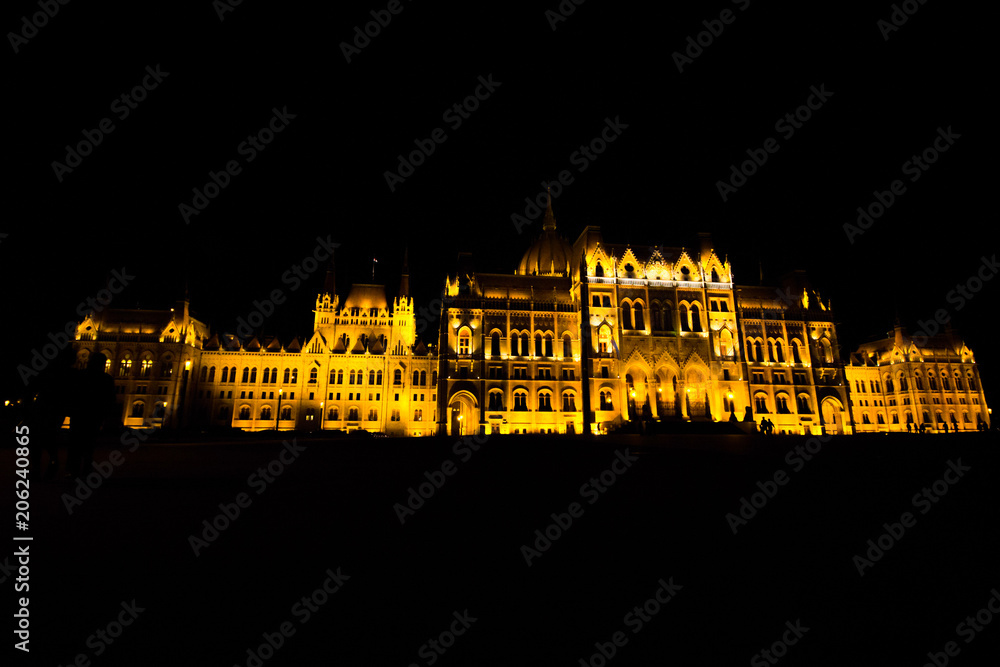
(581, 337)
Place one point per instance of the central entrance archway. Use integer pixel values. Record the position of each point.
(463, 411)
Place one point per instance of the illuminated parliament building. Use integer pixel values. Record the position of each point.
(582, 337)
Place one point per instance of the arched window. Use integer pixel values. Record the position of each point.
(423, 378)
(715, 276)
(796, 352)
(880, 418)
(640, 323)
(599, 270)
(246, 374)
(211, 374)
(340, 376)
(604, 340)
(520, 400)
(626, 316)
(333, 414)
(685, 322)
(513, 344)
(245, 412)
(567, 346)
(286, 412)
(596, 302)
(606, 402)
(827, 350)
(265, 412)
(495, 344)
(253, 375)
(545, 401)
(416, 378)
(397, 377)
(803, 404)
(295, 375)
(569, 402)
(779, 354)
(496, 400)
(524, 344)
(225, 374)
(287, 373)
(313, 376)
(125, 367)
(726, 349)
(944, 382)
(655, 317)
(434, 377)
(267, 376)
(918, 381)
(865, 419)
(933, 381)
(378, 378)
(371, 377)
(146, 367)
(204, 373)
(972, 382)
(274, 376)
(547, 345)
(695, 317)
(667, 318)
(758, 351)
(464, 342)
(138, 408)
(781, 403)
(760, 403)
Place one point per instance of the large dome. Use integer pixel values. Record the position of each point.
(550, 254)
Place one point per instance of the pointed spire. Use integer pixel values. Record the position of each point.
(404, 280)
(549, 223)
(330, 283)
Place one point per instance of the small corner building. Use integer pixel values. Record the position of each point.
(581, 337)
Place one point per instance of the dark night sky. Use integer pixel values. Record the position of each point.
(324, 173)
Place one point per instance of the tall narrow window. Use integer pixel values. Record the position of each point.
(626, 316)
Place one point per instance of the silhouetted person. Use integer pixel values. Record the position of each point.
(92, 407)
(763, 426)
(48, 411)
(944, 425)
(770, 427)
(908, 429)
(733, 419)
